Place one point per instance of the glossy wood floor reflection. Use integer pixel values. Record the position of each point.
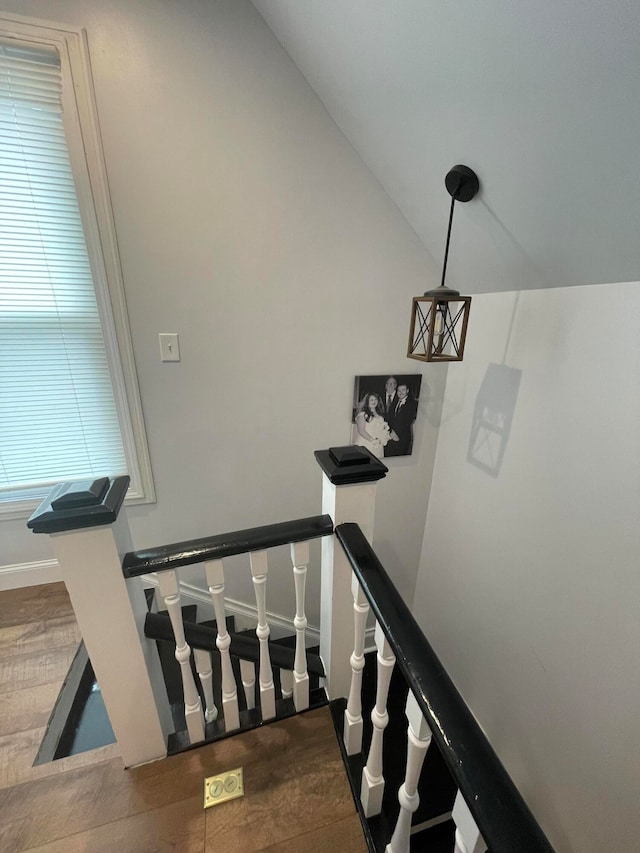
(296, 793)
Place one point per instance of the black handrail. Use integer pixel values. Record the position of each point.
(501, 814)
(164, 557)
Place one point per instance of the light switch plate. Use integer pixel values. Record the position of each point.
(222, 788)
(169, 346)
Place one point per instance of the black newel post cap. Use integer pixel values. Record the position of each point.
(351, 464)
(83, 503)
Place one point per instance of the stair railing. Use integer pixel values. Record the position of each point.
(92, 543)
(164, 561)
(489, 811)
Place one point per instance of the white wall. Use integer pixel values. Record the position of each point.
(529, 581)
(247, 224)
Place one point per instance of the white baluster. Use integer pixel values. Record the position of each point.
(353, 712)
(372, 787)
(205, 671)
(170, 592)
(418, 740)
(215, 579)
(248, 675)
(300, 560)
(259, 569)
(468, 838)
(286, 683)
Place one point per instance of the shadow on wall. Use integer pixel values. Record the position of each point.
(494, 410)
(492, 417)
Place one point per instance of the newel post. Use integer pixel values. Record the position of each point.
(350, 477)
(89, 536)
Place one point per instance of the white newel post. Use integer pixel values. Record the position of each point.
(468, 838)
(349, 481)
(89, 537)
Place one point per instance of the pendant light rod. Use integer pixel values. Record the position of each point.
(462, 185)
(446, 250)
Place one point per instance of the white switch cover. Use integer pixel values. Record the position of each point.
(169, 346)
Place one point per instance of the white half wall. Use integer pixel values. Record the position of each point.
(529, 584)
(247, 224)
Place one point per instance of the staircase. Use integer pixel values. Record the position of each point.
(158, 628)
(422, 773)
(433, 828)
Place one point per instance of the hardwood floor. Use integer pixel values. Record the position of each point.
(296, 793)
(38, 640)
(34, 604)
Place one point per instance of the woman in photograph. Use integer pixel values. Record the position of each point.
(371, 429)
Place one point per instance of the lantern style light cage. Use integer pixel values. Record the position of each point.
(439, 318)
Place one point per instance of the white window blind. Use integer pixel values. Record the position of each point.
(58, 417)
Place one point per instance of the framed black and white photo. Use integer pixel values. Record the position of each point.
(384, 410)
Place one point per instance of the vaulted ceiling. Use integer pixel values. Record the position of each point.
(541, 98)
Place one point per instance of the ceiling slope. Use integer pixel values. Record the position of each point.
(541, 98)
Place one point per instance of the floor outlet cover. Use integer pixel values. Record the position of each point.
(223, 787)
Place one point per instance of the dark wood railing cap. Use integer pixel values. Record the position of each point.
(350, 464)
(501, 814)
(222, 545)
(80, 504)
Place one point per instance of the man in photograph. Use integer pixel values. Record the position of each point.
(390, 397)
(400, 420)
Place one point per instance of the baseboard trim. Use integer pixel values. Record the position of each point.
(29, 574)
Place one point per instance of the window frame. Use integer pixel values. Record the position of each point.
(86, 155)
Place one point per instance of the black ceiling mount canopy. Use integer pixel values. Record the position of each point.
(462, 183)
(439, 318)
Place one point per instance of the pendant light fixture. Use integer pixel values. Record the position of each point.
(439, 318)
